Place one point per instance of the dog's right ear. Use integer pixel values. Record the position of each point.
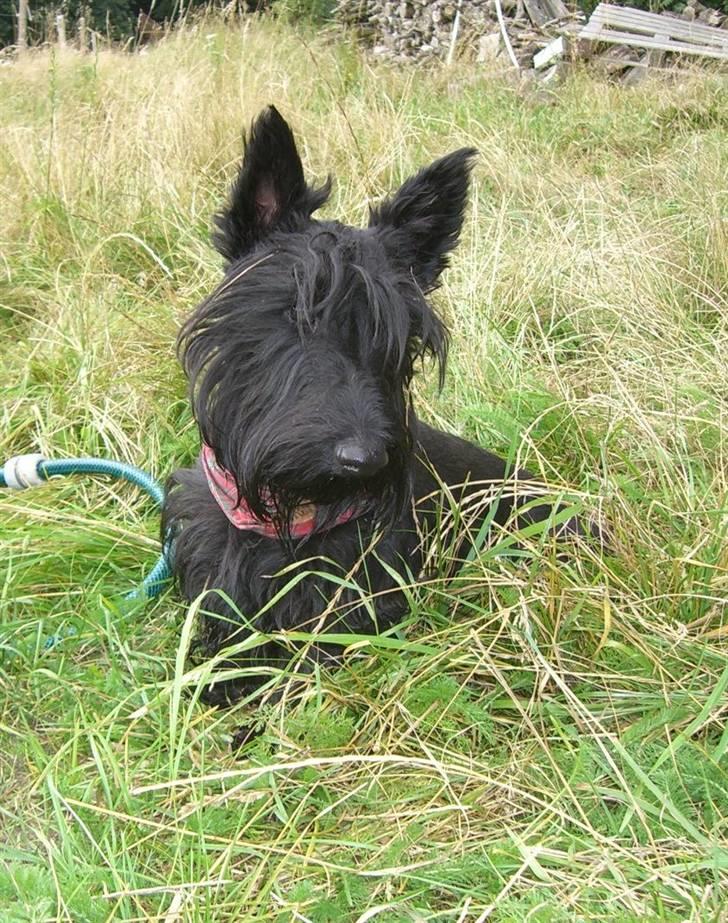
(421, 222)
(269, 192)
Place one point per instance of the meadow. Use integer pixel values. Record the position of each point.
(542, 740)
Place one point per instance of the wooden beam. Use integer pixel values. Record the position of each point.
(22, 41)
(553, 50)
(61, 30)
(536, 12)
(653, 23)
(556, 9)
(82, 33)
(613, 37)
(655, 57)
(637, 29)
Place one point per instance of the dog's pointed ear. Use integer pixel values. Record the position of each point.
(422, 221)
(270, 191)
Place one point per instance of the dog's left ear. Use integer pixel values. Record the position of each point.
(270, 191)
(422, 221)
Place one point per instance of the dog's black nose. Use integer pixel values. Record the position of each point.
(360, 460)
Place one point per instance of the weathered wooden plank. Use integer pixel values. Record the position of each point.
(556, 9)
(591, 30)
(536, 12)
(634, 76)
(611, 9)
(609, 64)
(652, 22)
(681, 30)
(553, 50)
(621, 61)
(615, 63)
(654, 56)
(614, 37)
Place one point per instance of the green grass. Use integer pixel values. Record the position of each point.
(543, 741)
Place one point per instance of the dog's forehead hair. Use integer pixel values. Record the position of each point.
(326, 275)
(324, 282)
(325, 245)
(347, 287)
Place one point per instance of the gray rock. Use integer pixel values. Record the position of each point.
(488, 47)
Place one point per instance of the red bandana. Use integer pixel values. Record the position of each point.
(224, 489)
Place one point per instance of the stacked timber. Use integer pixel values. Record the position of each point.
(515, 30)
(420, 29)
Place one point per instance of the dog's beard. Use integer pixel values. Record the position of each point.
(278, 492)
(379, 500)
(285, 481)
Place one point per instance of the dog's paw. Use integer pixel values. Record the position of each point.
(244, 735)
(222, 694)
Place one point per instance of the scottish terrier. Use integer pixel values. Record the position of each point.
(316, 481)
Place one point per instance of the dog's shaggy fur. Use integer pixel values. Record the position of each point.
(300, 364)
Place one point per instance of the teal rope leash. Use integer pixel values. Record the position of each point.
(24, 471)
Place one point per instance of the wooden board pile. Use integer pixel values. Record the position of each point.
(419, 29)
(636, 41)
(626, 43)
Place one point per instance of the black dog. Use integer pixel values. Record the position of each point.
(300, 364)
